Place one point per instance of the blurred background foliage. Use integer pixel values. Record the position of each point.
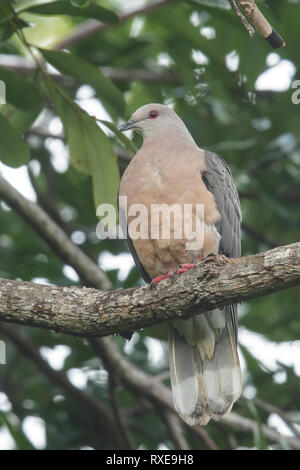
(234, 94)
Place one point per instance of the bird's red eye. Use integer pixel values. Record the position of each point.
(153, 114)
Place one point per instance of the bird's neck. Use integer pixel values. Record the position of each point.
(173, 138)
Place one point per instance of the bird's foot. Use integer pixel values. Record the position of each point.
(157, 279)
(181, 268)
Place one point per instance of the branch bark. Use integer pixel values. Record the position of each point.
(256, 17)
(215, 282)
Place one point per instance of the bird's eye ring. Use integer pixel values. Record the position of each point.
(153, 114)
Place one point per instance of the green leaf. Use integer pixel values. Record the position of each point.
(85, 72)
(14, 151)
(5, 9)
(20, 92)
(128, 144)
(90, 149)
(89, 146)
(21, 120)
(9, 22)
(67, 8)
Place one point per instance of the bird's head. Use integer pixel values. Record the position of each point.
(153, 119)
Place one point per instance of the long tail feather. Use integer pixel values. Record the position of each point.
(204, 366)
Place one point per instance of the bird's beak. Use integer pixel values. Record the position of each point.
(126, 125)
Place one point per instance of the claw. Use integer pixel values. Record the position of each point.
(182, 268)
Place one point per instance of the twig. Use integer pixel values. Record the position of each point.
(269, 408)
(247, 425)
(174, 429)
(241, 17)
(261, 23)
(205, 437)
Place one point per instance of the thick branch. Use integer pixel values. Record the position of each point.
(101, 414)
(215, 282)
(54, 236)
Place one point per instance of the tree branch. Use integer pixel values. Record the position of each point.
(248, 425)
(269, 408)
(98, 411)
(215, 282)
(173, 427)
(54, 236)
(259, 21)
(148, 387)
(241, 17)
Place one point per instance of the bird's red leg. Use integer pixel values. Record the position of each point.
(157, 279)
(182, 268)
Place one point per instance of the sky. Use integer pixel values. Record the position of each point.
(277, 77)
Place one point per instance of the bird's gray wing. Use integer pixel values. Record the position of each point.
(137, 261)
(219, 182)
(140, 267)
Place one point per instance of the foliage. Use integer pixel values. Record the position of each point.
(208, 68)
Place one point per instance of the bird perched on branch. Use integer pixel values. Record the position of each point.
(167, 176)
